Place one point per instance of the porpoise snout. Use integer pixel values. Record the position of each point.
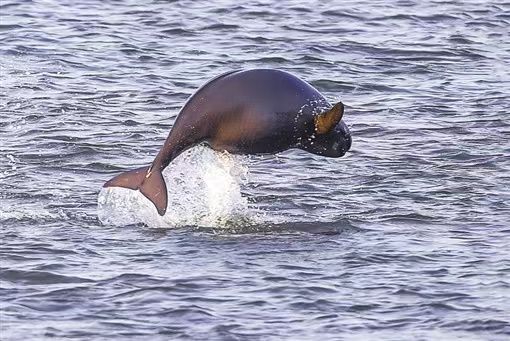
(345, 134)
(348, 142)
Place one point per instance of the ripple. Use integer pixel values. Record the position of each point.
(38, 277)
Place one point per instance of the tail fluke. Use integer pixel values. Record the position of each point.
(132, 179)
(150, 183)
(154, 189)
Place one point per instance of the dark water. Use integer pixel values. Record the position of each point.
(407, 237)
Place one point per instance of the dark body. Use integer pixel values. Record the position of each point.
(247, 112)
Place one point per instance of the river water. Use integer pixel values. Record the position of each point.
(405, 238)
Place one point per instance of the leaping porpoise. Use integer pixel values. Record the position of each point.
(256, 111)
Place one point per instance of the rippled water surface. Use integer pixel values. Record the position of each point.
(406, 237)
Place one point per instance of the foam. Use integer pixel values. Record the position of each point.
(204, 189)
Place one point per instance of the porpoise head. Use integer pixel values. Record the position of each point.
(331, 137)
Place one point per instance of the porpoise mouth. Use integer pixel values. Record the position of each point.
(348, 142)
(343, 146)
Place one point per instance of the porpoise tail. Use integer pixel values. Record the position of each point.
(149, 182)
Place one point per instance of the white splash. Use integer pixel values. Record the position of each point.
(12, 163)
(204, 189)
(35, 211)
